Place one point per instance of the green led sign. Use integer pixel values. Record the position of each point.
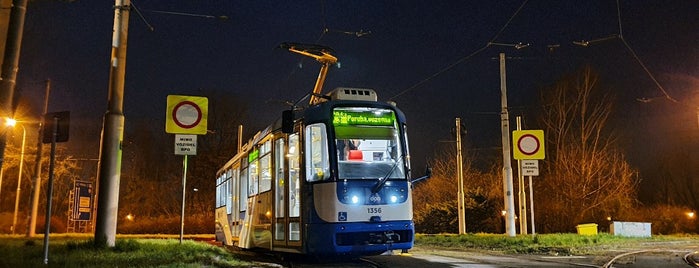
(253, 155)
(346, 118)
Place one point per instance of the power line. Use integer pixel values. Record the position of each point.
(151, 28)
(358, 34)
(443, 70)
(459, 61)
(583, 43)
(640, 62)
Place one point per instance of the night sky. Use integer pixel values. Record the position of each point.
(431, 57)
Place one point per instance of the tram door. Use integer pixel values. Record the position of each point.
(287, 227)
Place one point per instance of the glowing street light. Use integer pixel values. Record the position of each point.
(691, 215)
(12, 122)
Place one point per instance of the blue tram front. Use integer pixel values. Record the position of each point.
(335, 181)
(357, 168)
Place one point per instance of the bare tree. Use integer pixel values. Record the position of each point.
(586, 178)
(64, 174)
(436, 199)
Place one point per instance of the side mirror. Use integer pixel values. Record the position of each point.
(288, 121)
(428, 174)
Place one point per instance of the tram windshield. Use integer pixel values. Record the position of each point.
(368, 143)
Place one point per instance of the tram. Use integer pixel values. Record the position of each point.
(330, 179)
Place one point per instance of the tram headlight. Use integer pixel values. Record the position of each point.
(394, 199)
(353, 197)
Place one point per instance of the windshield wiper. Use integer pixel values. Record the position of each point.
(383, 180)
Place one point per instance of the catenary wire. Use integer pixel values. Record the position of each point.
(461, 60)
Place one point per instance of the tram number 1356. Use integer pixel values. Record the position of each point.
(373, 210)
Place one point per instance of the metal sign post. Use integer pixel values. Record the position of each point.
(529, 147)
(185, 145)
(531, 204)
(522, 193)
(59, 123)
(184, 191)
(186, 115)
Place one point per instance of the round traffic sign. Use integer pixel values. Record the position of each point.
(186, 114)
(528, 144)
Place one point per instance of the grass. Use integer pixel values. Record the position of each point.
(71, 250)
(549, 244)
(79, 251)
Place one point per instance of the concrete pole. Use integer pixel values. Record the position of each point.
(31, 230)
(8, 73)
(112, 132)
(506, 162)
(460, 172)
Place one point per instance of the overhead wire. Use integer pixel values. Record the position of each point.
(640, 62)
(325, 30)
(299, 65)
(150, 27)
(492, 42)
(462, 59)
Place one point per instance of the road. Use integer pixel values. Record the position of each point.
(649, 255)
(437, 258)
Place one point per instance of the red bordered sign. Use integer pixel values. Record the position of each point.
(528, 144)
(186, 114)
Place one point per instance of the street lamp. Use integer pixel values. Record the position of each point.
(13, 122)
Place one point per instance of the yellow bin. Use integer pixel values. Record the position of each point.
(587, 229)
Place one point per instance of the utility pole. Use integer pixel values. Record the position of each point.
(460, 172)
(109, 170)
(507, 165)
(8, 73)
(31, 231)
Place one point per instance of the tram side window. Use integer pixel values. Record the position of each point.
(224, 195)
(253, 177)
(294, 172)
(317, 164)
(279, 155)
(229, 190)
(219, 191)
(243, 189)
(266, 167)
(407, 145)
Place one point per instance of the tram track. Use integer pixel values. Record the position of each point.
(370, 262)
(650, 257)
(688, 257)
(692, 259)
